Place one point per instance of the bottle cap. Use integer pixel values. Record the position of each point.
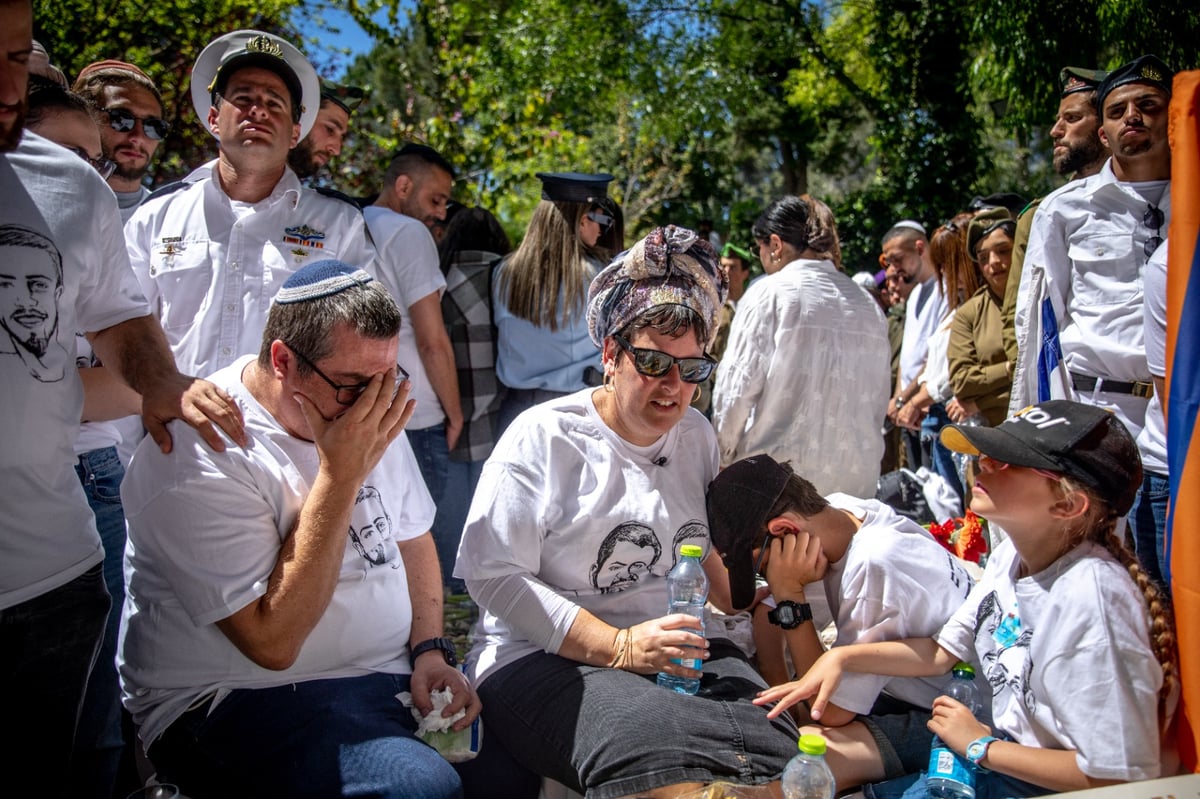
(964, 670)
(691, 551)
(812, 744)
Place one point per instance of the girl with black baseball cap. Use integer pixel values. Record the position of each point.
(1076, 644)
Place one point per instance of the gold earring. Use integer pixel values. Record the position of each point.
(696, 393)
(608, 381)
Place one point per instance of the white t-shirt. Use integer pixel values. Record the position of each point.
(1152, 441)
(1067, 654)
(407, 264)
(925, 309)
(895, 581)
(47, 531)
(210, 266)
(805, 377)
(205, 529)
(594, 518)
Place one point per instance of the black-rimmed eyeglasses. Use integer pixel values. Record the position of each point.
(1153, 219)
(348, 394)
(123, 121)
(656, 363)
(102, 165)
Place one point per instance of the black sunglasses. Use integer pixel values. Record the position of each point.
(1153, 218)
(102, 165)
(123, 121)
(656, 363)
(348, 394)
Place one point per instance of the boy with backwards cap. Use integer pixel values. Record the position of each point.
(885, 577)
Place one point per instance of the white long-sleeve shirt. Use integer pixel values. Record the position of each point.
(805, 378)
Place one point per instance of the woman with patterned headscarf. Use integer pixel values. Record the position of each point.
(574, 526)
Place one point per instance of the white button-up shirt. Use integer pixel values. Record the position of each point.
(210, 266)
(1087, 253)
(805, 378)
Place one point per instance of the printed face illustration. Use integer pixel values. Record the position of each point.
(627, 553)
(372, 538)
(30, 285)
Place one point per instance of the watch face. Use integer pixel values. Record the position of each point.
(976, 750)
(786, 615)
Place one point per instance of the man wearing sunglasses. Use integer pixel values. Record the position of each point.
(324, 142)
(1088, 249)
(131, 125)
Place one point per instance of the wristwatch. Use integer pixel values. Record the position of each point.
(977, 749)
(900, 402)
(789, 615)
(444, 644)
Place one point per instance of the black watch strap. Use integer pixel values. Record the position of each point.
(789, 615)
(444, 644)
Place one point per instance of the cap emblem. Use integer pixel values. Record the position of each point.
(1150, 73)
(263, 44)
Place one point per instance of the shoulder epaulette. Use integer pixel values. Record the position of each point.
(163, 191)
(1032, 205)
(325, 191)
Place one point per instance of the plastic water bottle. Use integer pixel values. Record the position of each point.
(951, 776)
(687, 591)
(807, 775)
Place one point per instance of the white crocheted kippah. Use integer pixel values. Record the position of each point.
(321, 279)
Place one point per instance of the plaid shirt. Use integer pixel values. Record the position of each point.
(467, 312)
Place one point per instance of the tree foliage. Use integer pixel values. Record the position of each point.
(883, 108)
(163, 39)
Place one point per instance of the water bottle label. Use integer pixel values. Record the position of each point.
(945, 764)
(690, 663)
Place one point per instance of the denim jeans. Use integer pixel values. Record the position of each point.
(611, 733)
(49, 644)
(320, 738)
(461, 479)
(937, 457)
(433, 459)
(98, 740)
(1148, 521)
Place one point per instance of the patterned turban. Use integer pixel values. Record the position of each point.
(671, 266)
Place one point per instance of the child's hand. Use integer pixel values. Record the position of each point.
(796, 561)
(954, 723)
(820, 681)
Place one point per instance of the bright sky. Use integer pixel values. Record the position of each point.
(350, 37)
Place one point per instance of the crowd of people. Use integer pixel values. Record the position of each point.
(358, 408)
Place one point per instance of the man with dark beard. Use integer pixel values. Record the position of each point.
(1078, 153)
(324, 142)
(131, 125)
(1088, 249)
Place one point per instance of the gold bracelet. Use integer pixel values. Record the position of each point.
(620, 647)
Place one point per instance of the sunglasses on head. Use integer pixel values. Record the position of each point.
(656, 363)
(102, 165)
(123, 121)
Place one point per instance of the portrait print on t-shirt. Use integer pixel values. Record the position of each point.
(31, 283)
(625, 554)
(632, 550)
(371, 529)
(1007, 661)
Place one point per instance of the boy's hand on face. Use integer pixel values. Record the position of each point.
(796, 560)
